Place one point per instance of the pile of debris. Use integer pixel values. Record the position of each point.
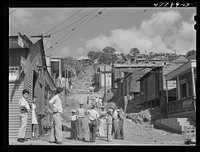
(148, 115)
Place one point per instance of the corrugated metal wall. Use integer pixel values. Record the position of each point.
(15, 93)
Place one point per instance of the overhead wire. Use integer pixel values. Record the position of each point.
(63, 21)
(73, 22)
(71, 30)
(70, 34)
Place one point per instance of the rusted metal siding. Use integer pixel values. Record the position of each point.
(15, 93)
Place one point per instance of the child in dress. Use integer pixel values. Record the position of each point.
(74, 125)
(34, 118)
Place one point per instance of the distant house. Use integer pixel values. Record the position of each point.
(27, 70)
(159, 60)
(104, 74)
(58, 71)
(184, 103)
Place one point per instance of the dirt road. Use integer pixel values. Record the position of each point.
(135, 134)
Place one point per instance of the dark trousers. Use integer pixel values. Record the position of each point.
(93, 129)
(114, 128)
(120, 130)
(74, 129)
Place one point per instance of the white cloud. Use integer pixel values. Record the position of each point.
(183, 39)
(163, 32)
(21, 18)
(160, 23)
(99, 42)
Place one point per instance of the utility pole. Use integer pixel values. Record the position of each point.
(105, 82)
(65, 80)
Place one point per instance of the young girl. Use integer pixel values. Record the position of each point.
(74, 125)
(34, 118)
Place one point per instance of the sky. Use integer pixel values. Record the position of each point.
(76, 31)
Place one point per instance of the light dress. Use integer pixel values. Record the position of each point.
(34, 119)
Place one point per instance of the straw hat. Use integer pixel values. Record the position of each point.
(74, 111)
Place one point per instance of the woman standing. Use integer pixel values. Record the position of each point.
(34, 118)
(56, 105)
(102, 124)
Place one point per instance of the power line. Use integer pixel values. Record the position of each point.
(64, 21)
(99, 13)
(73, 28)
(88, 15)
(74, 22)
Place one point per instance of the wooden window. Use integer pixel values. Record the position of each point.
(13, 73)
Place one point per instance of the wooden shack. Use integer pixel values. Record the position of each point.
(27, 70)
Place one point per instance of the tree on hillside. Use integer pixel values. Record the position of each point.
(191, 54)
(134, 51)
(69, 61)
(124, 57)
(108, 56)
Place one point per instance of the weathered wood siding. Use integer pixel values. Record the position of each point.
(15, 93)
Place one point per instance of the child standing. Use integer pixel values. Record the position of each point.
(34, 118)
(109, 125)
(74, 125)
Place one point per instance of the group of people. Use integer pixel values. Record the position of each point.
(106, 123)
(86, 124)
(26, 107)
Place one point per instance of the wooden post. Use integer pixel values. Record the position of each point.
(167, 95)
(178, 87)
(105, 82)
(65, 80)
(194, 93)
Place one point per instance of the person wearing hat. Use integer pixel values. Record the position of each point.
(24, 108)
(82, 124)
(109, 125)
(56, 104)
(102, 123)
(93, 116)
(74, 125)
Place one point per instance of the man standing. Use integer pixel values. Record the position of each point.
(24, 108)
(114, 123)
(56, 105)
(81, 112)
(93, 116)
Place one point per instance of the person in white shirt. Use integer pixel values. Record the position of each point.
(93, 115)
(24, 108)
(74, 125)
(82, 123)
(56, 105)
